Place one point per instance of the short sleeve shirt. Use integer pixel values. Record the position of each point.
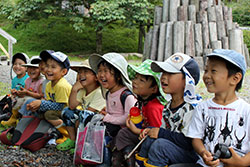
(94, 99)
(60, 92)
(17, 83)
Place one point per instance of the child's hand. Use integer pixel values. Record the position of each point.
(103, 111)
(144, 133)
(34, 105)
(13, 92)
(22, 92)
(77, 85)
(234, 161)
(132, 126)
(208, 159)
(153, 133)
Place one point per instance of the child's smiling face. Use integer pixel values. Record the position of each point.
(86, 76)
(172, 83)
(33, 72)
(106, 77)
(18, 68)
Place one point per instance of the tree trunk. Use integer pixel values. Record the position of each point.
(99, 40)
(140, 40)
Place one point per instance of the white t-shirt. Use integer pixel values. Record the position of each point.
(214, 123)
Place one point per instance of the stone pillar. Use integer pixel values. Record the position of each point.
(210, 3)
(196, 3)
(198, 40)
(182, 13)
(147, 45)
(225, 12)
(173, 5)
(230, 15)
(165, 10)
(228, 26)
(189, 38)
(235, 40)
(154, 42)
(221, 29)
(203, 4)
(219, 13)
(184, 2)
(225, 43)
(158, 15)
(211, 14)
(161, 46)
(169, 40)
(212, 31)
(192, 13)
(178, 37)
(216, 45)
(247, 55)
(205, 35)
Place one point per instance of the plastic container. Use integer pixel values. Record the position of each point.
(136, 117)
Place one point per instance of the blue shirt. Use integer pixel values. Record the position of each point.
(16, 83)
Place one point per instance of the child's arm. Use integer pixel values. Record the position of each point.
(204, 153)
(132, 126)
(236, 160)
(73, 103)
(44, 105)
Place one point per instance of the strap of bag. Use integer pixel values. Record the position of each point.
(125, 93)
(3, 136)
(29, 130)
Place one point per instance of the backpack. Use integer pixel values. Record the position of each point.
(5, 114)
(125, 93)
(31, 133)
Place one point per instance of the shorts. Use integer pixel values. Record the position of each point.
(52, 115)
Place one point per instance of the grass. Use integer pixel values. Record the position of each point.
(4, 88)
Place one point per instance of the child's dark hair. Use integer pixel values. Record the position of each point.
(117, 73)
(59, 63)
(148, 77)
(232, 69)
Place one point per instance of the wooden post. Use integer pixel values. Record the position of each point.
(219, 13)
(247, 55)
(169, 40)
(202, 16)
(225, 13)
(210, 3)
(198, 40)
(205, 35)
(173, 5)
(165, 10)
(182, 13)
(230, 15)
(184, 2)
(189, 38)
(154, 42)
(158, 15)
(161, 46)
(196, 3)
(225, 43)
(203, 4)
(192, 13)
(216, 45)
(178, 37)
(228, 26)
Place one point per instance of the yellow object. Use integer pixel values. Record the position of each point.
(13, 119)
(64, 133)
(149, 165)
(136, 119)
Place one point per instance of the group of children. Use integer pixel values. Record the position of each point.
(177, 126)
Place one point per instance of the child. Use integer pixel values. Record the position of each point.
(170, 145)
(33, 84)
(17, 82)
(85, 92)
(111, 69)
(224, 119)
(57, 91)
(146, 85)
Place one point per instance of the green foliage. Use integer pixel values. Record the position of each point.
(241, 12)
(55, 33)
(4, 88)
(246, 35)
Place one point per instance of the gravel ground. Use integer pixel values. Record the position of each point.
(50, 156)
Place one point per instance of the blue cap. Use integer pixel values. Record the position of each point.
(57, 56)
(232, 57)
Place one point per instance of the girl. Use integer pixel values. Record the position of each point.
(111, 69)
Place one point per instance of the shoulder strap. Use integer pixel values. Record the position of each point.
(125, 93)
(3, 137)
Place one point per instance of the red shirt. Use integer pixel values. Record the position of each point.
(152, 113)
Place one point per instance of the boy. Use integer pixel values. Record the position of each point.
(87, 93)
(57, 90)
(224, 119)
(180, 74)
(146, 85)
(17, 82)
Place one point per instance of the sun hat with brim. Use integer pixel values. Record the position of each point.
(84, 64)
(116, 60)
(175, 64)
(21, 56)
(34, 62)
(57, 56)
(144, 69)
(232, 57)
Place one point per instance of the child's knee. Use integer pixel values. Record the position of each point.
(52, 115)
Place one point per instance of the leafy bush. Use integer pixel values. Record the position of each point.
(57, 34)
(246, 35)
